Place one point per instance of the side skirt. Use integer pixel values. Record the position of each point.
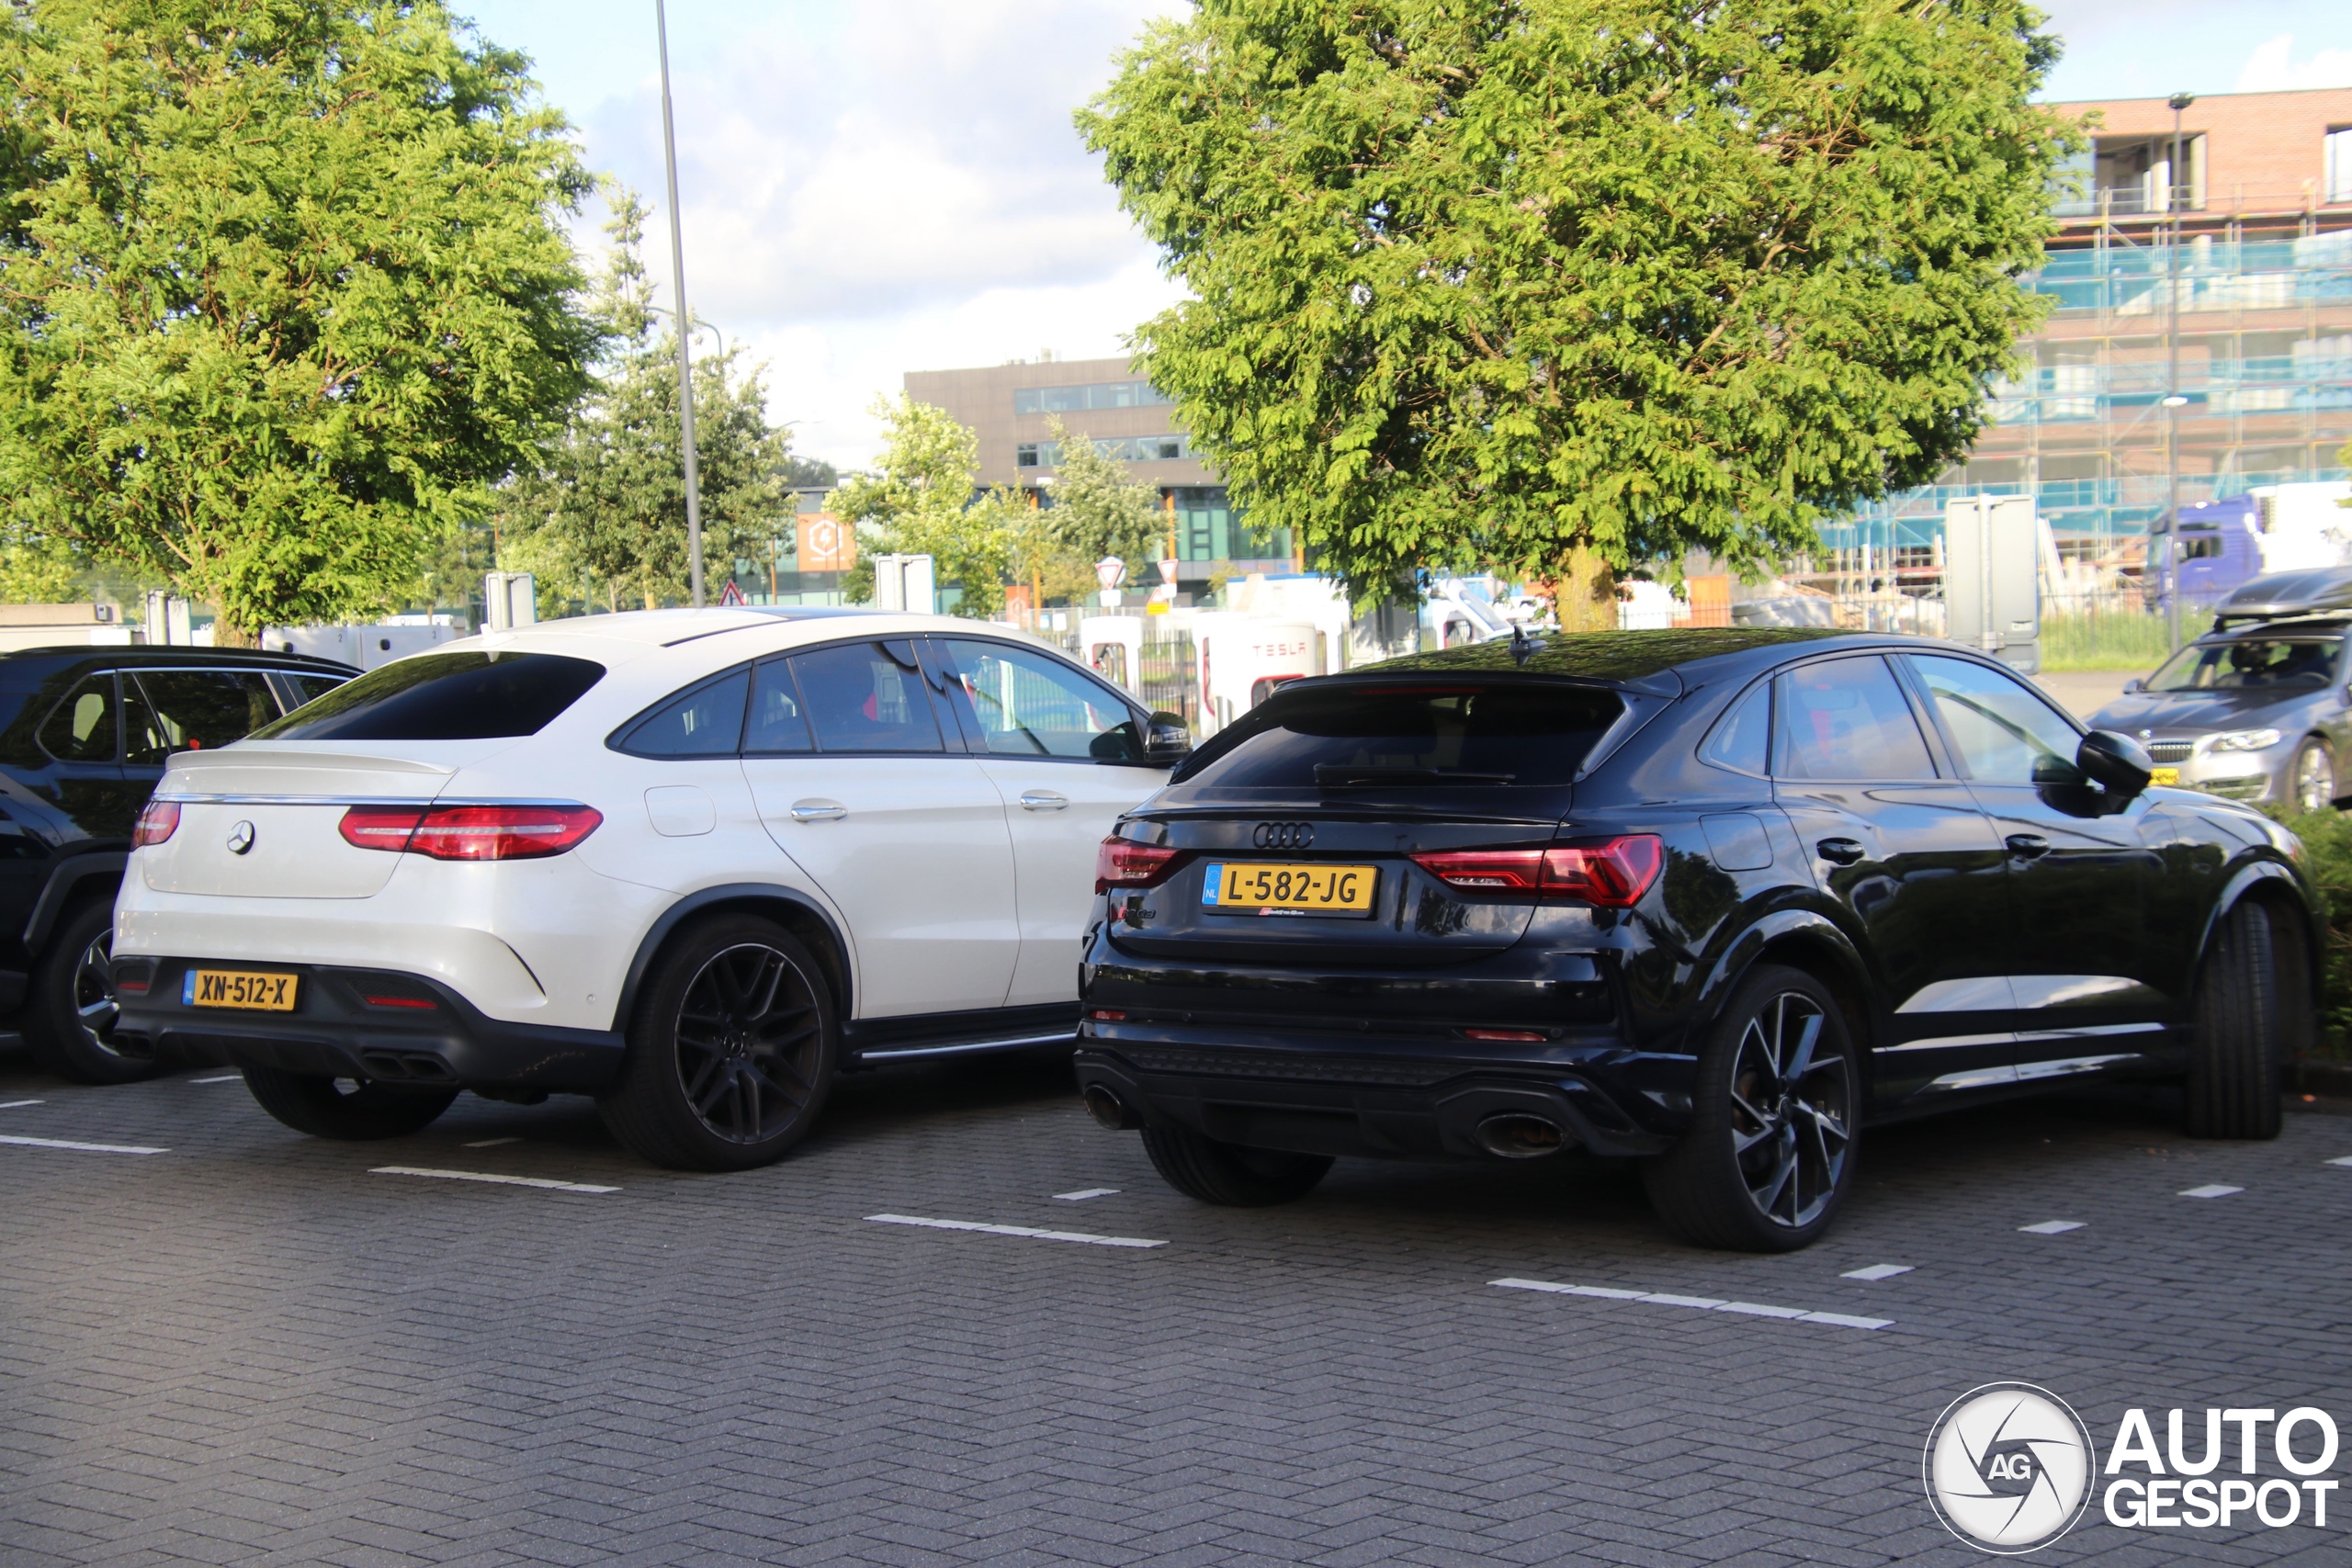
(878, 1042)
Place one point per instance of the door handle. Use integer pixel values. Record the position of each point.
(2027, 846)
(1840, 851)
(819, 811)
(1041, 800)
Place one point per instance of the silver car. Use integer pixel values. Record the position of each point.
(2254, 712)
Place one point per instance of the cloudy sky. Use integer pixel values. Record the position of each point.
(891, 186)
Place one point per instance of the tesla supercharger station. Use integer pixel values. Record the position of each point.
(905, 583)
(1242, 661)
(1112, 647)
(509, 599)
(1991, 584)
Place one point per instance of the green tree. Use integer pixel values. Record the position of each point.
(918, 501)
(1097, 512)
(284, 291)
(607, 505)
(1556, 286)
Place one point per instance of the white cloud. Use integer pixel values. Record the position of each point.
(2273, 68)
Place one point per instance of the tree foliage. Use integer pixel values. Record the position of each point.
(1098, 512)
(608, 502)
(918, 501)
(1553, 285)
(283, 290)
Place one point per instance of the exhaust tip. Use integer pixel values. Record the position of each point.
(1517, 1134)
(1109, 1110)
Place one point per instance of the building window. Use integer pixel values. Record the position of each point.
(1131, 449)
(1079, 400)
(2339, 164)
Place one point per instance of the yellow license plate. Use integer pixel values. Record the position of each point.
(1255, 888)
(2164, 775)
(238, 988)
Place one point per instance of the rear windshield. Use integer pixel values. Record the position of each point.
(443, 696)
(1374, 738)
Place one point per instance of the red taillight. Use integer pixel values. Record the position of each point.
(158, 822)
(1513, 1036)
(375, 1001)
(1611, 874)
(470, 832)
(1120, 863)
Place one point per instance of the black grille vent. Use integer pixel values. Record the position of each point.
(1273, 1065)
(2170, 752)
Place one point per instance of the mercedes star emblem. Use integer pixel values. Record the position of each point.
(241, 838)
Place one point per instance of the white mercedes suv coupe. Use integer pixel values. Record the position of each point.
(692, 862)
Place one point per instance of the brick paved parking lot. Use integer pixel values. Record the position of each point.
(250, 1347)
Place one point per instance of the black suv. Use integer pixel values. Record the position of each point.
(1707, 899)
(85, 733)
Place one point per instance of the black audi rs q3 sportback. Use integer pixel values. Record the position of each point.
(1710, 900)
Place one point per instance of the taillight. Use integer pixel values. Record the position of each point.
(1612, 874)
(158, 822)
(1121, 863)
(470, 832)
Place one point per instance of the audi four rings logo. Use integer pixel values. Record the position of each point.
(1282, 835)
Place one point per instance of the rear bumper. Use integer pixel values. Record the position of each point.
(333, 1030)
(1390, 1105)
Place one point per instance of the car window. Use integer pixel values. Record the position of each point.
(2245, 662)
(866, 696)
(1741, 739)
(779, 723)
(311, 688)
(190, 710)
(443, 696)
(80, 728)
(1027, 705)
(1375, 736)
(1846, 718)
(2004, 734)
(705, 722)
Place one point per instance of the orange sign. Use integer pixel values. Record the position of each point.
(825, 543)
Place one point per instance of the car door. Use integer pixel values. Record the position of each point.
(1911, 856)
(82, 735)
(1066, 754)
(2099, 958)
(855, 778)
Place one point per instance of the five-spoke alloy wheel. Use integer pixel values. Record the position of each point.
(1769, 1153)
(2314, 782)
(731, 1051)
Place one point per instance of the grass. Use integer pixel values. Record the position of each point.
(2100, 640)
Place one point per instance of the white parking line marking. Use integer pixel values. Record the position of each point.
(1030, 1231)
(1877, 1271)
(550, 1185)
(1085, 1193)
(493, 1143)
(13, 1104)
(2053, 1227)
(2214, 1190)
(1704, 1304)
(2342, 1159)
(225, 1077)
(87, 1148)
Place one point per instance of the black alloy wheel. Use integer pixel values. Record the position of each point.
(73, 1013)
(2314, 778)
(730, 1053)
(349, 1108)
(1770, 1154)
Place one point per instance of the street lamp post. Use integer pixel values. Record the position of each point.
(2173, 398)
(685, 333)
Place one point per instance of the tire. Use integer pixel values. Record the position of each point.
(322, 1107)
(2311, 786)
(1227, 1174)
(732, 1050)
(2237, 1063)
(1770, 1155)
(70, 1019)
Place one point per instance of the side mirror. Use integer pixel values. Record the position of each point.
(1167, 740)
(2116, 763)
(2134, 684)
